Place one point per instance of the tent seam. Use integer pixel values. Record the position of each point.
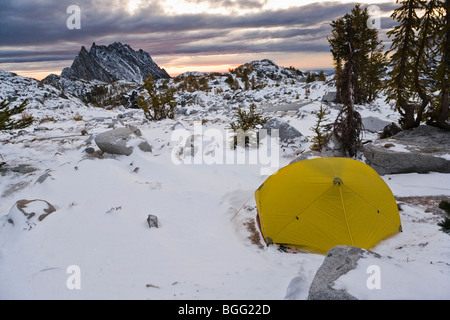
(345, 215)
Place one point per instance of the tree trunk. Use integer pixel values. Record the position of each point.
(408, 117)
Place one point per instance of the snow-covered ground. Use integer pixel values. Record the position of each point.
(202, 248)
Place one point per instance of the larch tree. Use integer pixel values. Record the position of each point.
(359, 66)
(441, 36)
(347, 126)
(368, 57)
(418, 82)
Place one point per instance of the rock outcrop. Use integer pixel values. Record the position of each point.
(111, 63)
(424, 149)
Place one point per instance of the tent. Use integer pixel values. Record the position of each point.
(319, 203)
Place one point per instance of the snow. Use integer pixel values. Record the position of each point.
(416, 184)
(405, 281)
(445, 156)
(201, 249)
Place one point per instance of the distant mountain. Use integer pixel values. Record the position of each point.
(260, 82)
(114, 62)
(15, 89)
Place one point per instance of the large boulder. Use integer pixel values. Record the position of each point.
(121, 141)
(330, 96)
(286, 132)
(373, 124)
(424, 149)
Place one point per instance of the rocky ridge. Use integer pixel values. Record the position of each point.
(114, 62)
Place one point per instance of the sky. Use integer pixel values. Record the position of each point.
(180, 35)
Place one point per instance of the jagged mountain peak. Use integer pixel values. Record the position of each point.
(114, 62)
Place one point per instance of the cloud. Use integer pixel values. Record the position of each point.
(36, 30)
(239, 4)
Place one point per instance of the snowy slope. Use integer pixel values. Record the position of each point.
(202, 248)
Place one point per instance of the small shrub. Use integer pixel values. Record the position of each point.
(159, 105)
(445, 225)
(78, 117)
(245, 123)
(47, 119)
(6, 123)
(445, 205)
(322, 132)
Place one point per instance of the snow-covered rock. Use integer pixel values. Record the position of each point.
(286, 132)
(421, 150)
(339, 261)
(350, 273)
(25, 214)
(373, 124)
(121, 141)
(330, 97)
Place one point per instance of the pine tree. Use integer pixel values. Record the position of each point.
(375, 68)
(321, 76)
(7, 123)
(400, 86)
(348, 124)
(423, 72)
(368, 59)
(311, 77)
(420, 63)
(358, 58)
(441, 36)
(337, 41)
(245, 79)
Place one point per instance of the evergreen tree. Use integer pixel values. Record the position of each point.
(348, 124)
(321, 131)
(359, 62)
(376, 69)
(7, 123)
(246, 123)
(311, 77)
(321, 76)
(337, 41)
(423, 65)
(368, 59)
(400, 85)
(245, 79)
(420, 63)
(441, 37)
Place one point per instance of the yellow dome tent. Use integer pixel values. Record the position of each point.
(317, 204)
